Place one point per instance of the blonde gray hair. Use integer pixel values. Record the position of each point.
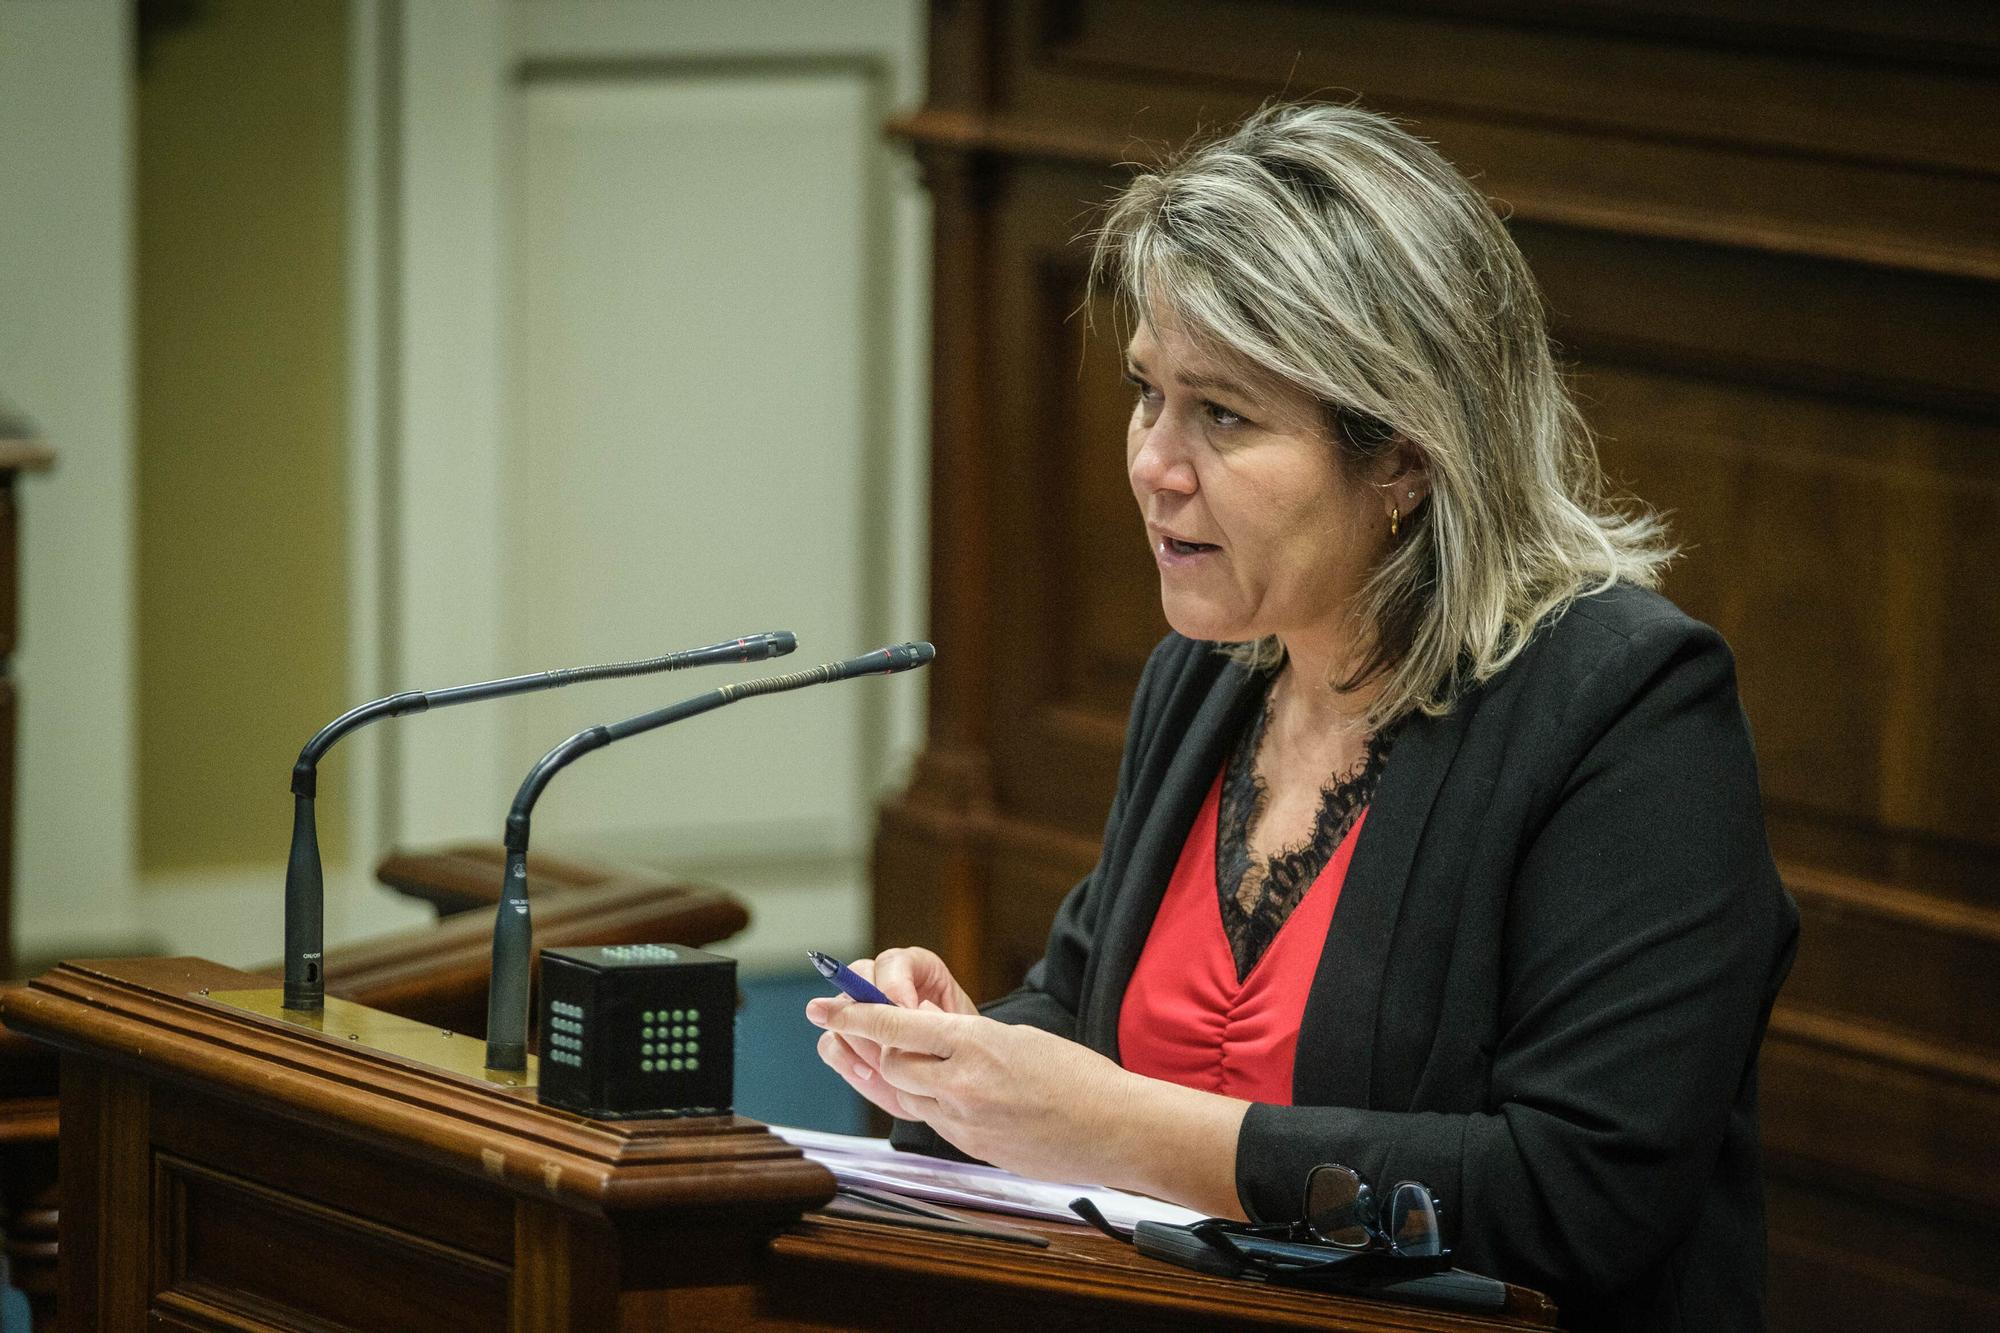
(1327, 247)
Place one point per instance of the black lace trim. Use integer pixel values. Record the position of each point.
(1258, 896)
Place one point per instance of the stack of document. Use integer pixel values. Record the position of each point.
(873, 1163)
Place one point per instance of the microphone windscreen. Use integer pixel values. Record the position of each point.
(888, 661)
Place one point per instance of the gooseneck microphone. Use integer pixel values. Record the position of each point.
(305, 890)
(507, 991)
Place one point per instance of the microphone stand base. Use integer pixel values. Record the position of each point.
(403, 1038)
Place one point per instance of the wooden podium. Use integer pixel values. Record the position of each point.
(224, 1168)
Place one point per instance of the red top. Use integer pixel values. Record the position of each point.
(1186, 1018)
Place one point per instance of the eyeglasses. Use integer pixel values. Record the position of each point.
(1341, 1211)
(1398, 1236)
(1391, 1240)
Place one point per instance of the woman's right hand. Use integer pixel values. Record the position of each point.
(914, 979)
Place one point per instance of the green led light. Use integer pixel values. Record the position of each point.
(646, 1065)
(673, 1064)
(693, 1063)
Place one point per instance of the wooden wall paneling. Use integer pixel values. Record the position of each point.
(1862, 1124)
(1905, 1117)
(1076, 605)
(1731, 126)
(961, 46)
(963, 186)
(1798, 417)
(924, 860)
(1904, 961)
(1861, 332)
(1883, 100)
(1105, 568)
(1881, 1084)
(1935, 1276)
(1028, 885)
(1866, 692)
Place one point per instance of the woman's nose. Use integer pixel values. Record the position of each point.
(1160, 463)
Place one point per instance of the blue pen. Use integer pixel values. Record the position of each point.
(850, 982)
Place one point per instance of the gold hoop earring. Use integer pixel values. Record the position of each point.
(1395, 520)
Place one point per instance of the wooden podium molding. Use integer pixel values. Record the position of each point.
(436, 973)
(226, 1171)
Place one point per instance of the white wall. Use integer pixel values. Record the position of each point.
(66, 361)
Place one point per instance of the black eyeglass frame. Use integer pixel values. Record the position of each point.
(1378, 1252)
(1368, 1265)
(1379, 1258)
(1363, 1211)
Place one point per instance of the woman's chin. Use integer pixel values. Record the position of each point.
(1193, 620)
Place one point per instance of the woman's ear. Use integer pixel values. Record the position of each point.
(1408, 481)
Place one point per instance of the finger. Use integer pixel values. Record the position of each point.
(896, 976)
(870, 1052)
(859, 1054)
(841, 1056)
(915, 1107)
(936, 983)
(872, 1089)
(820, 1011)
(911, 1073)
(925, 1031)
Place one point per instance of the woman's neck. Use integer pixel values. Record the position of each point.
(1308, 713)
(1304, 696)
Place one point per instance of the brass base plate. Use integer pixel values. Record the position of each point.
(404, 1038)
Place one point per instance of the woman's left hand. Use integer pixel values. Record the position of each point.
(1015, 1096)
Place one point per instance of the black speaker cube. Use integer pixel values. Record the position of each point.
(632, 1030)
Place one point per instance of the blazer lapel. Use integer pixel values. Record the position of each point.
(1156, 848)
(1335, 1056)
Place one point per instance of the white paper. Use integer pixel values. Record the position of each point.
(872, 1162)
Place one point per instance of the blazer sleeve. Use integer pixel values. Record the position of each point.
(1646, 933)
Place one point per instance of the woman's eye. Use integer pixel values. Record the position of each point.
(1222, 416)
(1144, 390)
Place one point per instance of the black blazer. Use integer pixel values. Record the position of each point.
(1545, 984)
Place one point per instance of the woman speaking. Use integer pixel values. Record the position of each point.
(1437, 851)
